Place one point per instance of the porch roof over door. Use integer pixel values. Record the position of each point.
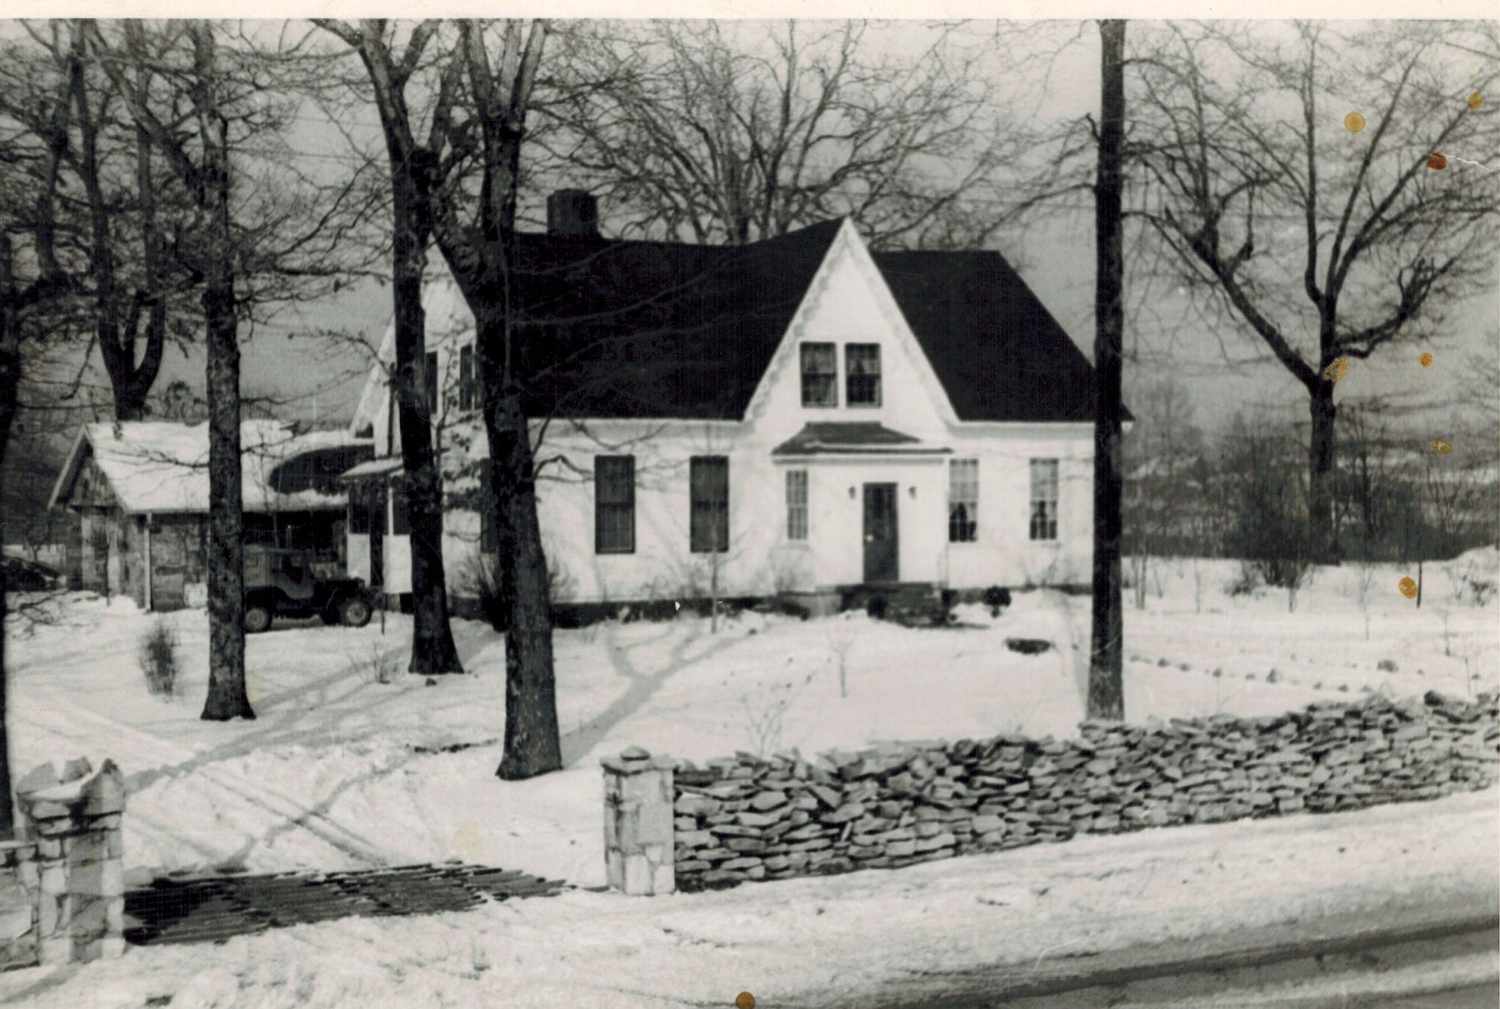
(846, 438)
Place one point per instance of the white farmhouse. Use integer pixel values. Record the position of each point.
(799, 415)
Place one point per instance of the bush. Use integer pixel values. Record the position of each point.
(158, 657)
(875, 607)
(997, 599)
(1245, 583)
(481, 575)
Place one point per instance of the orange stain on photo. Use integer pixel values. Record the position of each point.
(1476, 100)
(1337, 369)
(744, 1000)
(1425, 360)
(1442, 446)
(1436, 161)
(1408, 587)
(1354, 122)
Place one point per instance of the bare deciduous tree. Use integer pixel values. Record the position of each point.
(252, 242)
(721, 133)
(416, 168)
(1324, 240)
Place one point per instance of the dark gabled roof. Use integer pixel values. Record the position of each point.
(998, 352)
(852, 438)
(657, 329)
(629, 329)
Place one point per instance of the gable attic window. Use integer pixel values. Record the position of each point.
(963, 501)
(1044, 499)
(820, 375)
(708, 480)
(614, 504)
(862, 374)
(468, 396)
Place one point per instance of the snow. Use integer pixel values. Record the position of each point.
(161, 466)
(342, 770)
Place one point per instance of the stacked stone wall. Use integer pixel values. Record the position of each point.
(745, 818)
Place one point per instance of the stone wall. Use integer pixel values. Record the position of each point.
(744, 818)
(62, 885)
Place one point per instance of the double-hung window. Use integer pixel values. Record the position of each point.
(708, 480)
(963, 501)
(796, 504)
(820, 375)
(430, 383)
(862, 374)
(1044, 499)
(467, 387)
(614, 504)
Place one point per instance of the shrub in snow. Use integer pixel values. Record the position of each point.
(1218, 671)
(1163, 663)
(1273, 677)
(376, 666)
(482, 577)
(158, 658)
(1343, 688)
(1386, 665)
(1245, 583)
(1184, 666)
(875, 607)
(997, 599)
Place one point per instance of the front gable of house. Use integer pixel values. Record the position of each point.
(849, 357)
(90, 488)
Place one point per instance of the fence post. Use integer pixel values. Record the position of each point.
(74, 819)
(638, 840)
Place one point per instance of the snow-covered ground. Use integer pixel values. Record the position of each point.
(845, 941)
(340, 770)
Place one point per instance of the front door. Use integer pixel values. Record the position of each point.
(880, 533)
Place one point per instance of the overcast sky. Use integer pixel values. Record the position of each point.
(1055, 255)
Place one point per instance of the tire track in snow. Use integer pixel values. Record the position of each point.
(292, 813)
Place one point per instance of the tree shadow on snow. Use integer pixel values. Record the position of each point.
(643, 685)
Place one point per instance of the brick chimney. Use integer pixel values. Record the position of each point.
(573, 213)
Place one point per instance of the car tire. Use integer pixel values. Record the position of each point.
(257, 618)
(354, 612)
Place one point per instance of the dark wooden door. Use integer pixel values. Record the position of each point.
(880, 533)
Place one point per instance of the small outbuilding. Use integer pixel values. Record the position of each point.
(140, 489)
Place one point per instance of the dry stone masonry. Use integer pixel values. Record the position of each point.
(62, 883)
(744, 818)
(638, 822)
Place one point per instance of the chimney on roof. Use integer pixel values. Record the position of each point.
(573, 213)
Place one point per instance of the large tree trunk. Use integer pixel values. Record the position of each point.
(432, 647)
(227, 697)
(532, 743)
(1106, 679)
(1321, 450)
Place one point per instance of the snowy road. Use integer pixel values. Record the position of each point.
(1342, 961)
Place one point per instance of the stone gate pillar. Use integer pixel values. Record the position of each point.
(74, 820)
(638, 822)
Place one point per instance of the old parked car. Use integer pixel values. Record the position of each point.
(286, 582)
(22, 575)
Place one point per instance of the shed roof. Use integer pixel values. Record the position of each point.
(162, 467)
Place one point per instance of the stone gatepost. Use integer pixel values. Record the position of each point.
(638, 822)
(19, 883)
(73, 819)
